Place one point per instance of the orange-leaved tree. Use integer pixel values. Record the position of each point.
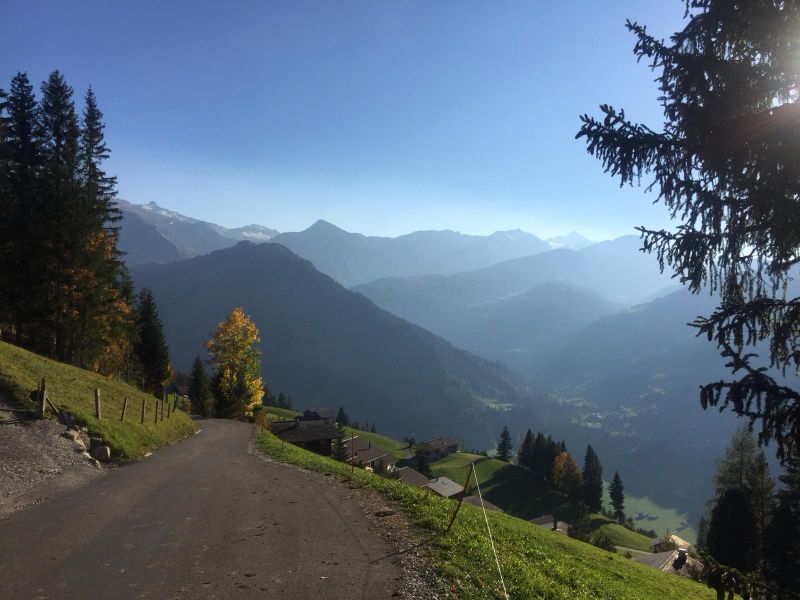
(566, 475)
(236, 360)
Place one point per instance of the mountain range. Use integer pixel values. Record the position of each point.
(325, 345)
(591, 336)
(152, 234)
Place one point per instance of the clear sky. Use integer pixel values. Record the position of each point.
(380, 116)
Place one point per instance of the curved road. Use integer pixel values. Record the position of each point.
(204, 518)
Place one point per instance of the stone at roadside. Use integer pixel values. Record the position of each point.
(80, 446)
(101, 453)
(95, 442)
(95, 463)
(71, 435)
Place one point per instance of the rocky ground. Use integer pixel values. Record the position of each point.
(37, 460)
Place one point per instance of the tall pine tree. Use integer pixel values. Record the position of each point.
(150, 348)
(592, 480)
(617, 493)
(200, 388)
(505, 446)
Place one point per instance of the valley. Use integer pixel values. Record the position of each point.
(590, 343)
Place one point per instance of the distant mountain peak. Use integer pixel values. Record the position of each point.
(573, 240)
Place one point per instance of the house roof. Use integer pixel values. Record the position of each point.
(298, 431)
(374, 455)
(441, 443)
(476, 501)
(358, 444)
(678, 541)
(318, 412)
(444, 487)
(411, 477)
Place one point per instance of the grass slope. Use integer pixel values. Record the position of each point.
(72, 390)
(517, 493)
(508, 486)
(619, 535)
(536, 563)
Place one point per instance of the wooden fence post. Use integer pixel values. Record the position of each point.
(169, 408)
(142, 411)
(97, 412)
(41, 399)
(155, 410)
(124, 406)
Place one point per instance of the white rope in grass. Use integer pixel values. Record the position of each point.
(489, 531)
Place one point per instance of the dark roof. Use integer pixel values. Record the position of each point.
(318, 412)
(444, 487)
(437, 444)
(374, 455)
(411, 477)
(475, 501)
(547, 522)
(297, 431)
(358, 444)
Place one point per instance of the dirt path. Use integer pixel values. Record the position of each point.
(201, 519)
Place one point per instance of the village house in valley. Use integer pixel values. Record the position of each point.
(435, 449)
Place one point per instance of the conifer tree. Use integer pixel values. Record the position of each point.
(63, 220)
(617, 494)
(424, 466)
(732, 534)
(525, 455)
(726, 167)
(341, 417)
(592, 480)
(782, 553)
(22, 256)
(200, 388)
(505, 446)
(150, 348)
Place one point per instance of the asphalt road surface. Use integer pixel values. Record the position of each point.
(204, 518)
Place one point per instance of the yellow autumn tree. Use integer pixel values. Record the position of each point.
(236, 360)
(566, 475)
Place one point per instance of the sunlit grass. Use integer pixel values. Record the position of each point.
(536, 563)
(72, 390)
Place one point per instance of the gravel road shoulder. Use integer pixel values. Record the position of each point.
(37, 463)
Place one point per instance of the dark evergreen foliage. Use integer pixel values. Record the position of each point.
(592, 481)
(341, 418)
(732, 534)
(424, 467)
(525, 454)
(200, 389)
(63, 290)
(782, 552)
(150, 348)
(727, 165)
(617, 493)
(505, 446)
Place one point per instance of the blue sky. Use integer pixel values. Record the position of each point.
(380, 116)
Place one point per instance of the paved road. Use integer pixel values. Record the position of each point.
(201, 519)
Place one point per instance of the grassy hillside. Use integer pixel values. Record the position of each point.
(72, 390)
(536, 563)
(508, 486)
(619, 535)
(283, 413)
(391, 445)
